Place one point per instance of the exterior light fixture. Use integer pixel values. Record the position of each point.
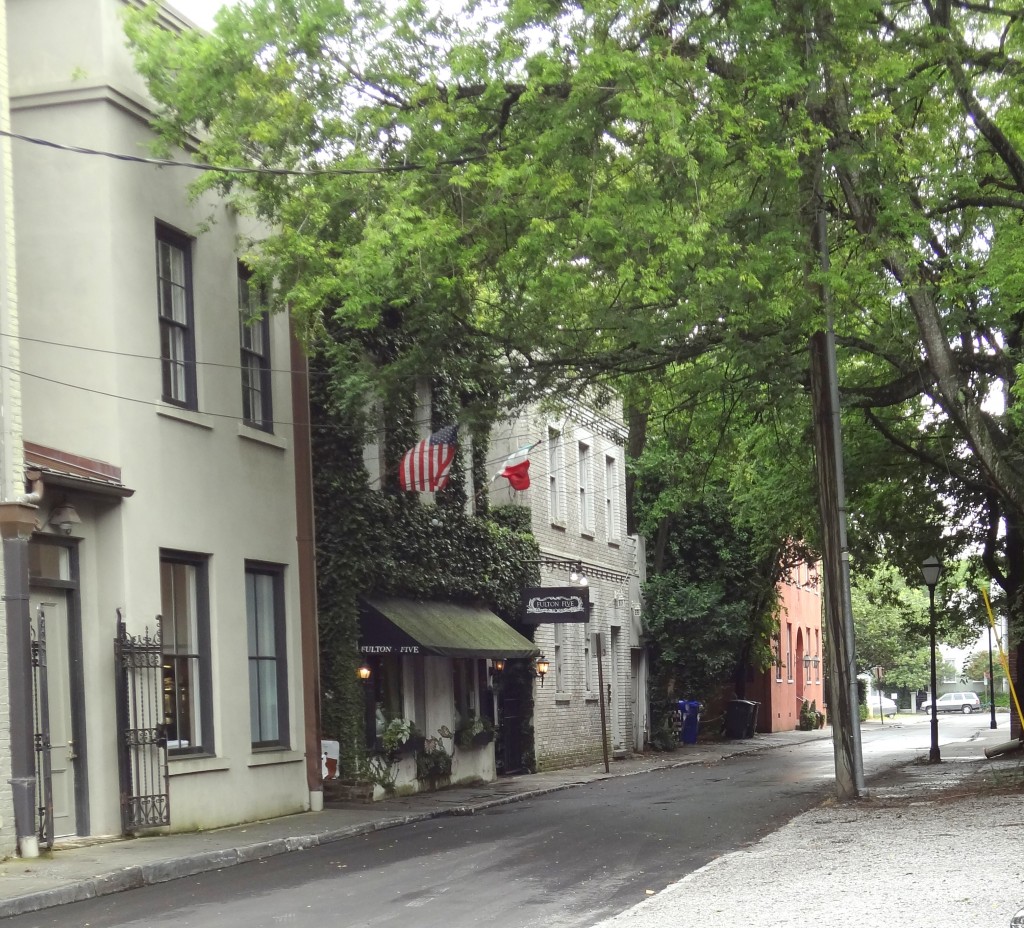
(498, 665)
(64, 517)
(363, 672)
(543, 665)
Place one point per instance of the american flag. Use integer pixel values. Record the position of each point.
(426, 465)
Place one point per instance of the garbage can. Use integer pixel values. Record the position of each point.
(752, 723)
(689, 709)
(740, 718)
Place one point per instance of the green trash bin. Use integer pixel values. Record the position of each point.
(740, 718)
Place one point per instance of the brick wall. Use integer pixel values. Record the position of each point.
(567, 707)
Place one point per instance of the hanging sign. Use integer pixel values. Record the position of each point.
(555, 604)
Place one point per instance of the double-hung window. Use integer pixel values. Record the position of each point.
(254, 337)
(185, 633)
(556, 477)
(611, 497)
(586, 489)
(268, 669)
(177, 327)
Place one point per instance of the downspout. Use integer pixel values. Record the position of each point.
(18, 511)
(306, 549)
(17, 522)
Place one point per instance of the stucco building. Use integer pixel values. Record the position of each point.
(797, 673)
(163, 429)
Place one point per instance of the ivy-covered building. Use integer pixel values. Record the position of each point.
(418, 598)
(431, 672)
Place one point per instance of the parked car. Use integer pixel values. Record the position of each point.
(954, 702)
(889, 708)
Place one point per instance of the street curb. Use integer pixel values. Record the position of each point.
(164, 871)
(168, 869)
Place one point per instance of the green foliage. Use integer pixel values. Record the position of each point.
(396, 733)
(709, 614)
(891, 622)
(810, 718)
(386, 542)
(380, 770)
(434, 762)
(975, 667)
(473, 731)
(649, 172)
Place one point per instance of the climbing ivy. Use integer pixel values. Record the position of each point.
(379, 540)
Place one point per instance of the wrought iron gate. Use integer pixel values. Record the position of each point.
(142, 746)
(41, 728)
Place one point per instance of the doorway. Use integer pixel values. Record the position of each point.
(53, 601)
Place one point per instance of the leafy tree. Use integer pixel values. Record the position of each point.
(626, 189)
(711, 609)
(975, 667)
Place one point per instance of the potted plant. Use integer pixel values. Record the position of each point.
(433, 763)
(393, 740)
(474, 731)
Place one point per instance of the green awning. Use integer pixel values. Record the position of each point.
(391, 625)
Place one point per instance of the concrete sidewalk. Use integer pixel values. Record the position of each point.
(931, 846)
(94, 867)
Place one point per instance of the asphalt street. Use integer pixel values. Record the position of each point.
(566, 860)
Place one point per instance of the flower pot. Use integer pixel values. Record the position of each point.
(482, 738)
(414, 744)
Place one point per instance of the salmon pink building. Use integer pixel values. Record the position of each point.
(797, 672)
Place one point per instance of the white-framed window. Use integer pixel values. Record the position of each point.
(778, 658)
(611, 497)
(175, 311)
(789, 652)
(185, 634)
(254, 339)
(585, 475)
(268, 668)
(556, 476)
(817, 653)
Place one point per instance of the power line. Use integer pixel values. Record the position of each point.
(584, 416)
(490, 464)
(244, 169)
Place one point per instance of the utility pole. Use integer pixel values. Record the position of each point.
(828, 447)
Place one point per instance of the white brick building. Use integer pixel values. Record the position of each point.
(578, 515)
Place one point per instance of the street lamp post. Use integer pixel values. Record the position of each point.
(930, 570)
(991, 682)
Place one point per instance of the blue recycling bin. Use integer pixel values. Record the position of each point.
(689, 709)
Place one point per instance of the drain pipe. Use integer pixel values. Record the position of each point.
(17, 521)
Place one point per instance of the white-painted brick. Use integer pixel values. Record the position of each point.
(567, 720)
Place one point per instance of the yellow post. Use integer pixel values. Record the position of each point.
(1002, 656)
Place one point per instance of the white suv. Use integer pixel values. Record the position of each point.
(954, 702)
